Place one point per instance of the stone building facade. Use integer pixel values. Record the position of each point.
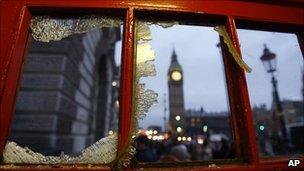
(67, 99)
(176, 95)
(190, 121)
(200, 122)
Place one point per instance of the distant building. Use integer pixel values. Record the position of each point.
(267, 125)
(67, 99)
(200, 122)
(294, 119)
(155, 127)
(191, 122)
(293, 111)
(176, 95)
(263, 122)
(262, 117)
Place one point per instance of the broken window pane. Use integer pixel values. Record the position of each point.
(191, 121)
(276, 90)
(67, 106)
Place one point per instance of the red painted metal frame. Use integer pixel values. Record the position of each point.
(241, 116)
(126, 91)
(15, 17)
(12, 59)
(240, 9)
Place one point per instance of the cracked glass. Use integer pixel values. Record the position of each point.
(67, 105)
(191, 119)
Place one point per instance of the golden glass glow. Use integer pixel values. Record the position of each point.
(179, 129)
(176, 75)
(117, 103)
(114, 83)
(189, 139)
(200, 141)
(149, 132)
(111, 132)
(179, 138)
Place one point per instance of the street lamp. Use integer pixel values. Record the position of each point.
(269, 61)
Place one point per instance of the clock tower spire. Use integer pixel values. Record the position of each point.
(176, 95)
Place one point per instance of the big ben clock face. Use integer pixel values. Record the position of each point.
(176, 75)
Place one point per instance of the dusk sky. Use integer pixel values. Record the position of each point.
(204, 81)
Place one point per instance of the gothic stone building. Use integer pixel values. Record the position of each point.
(176, 95)
(191, 122)
(67, 99)
(200, 122)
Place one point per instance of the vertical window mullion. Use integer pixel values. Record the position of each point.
(241, 114)
(300, 37)
(126, 89)
(11, 71)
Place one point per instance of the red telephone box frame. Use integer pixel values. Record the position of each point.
(15, 17)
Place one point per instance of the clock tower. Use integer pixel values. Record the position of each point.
(176, 96)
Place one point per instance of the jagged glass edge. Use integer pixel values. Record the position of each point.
(46, 28)
(144, 98)
(103, 151)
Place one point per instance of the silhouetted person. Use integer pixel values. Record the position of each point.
(143, 151)
(179, 151)
(207, 150)
(224, 150)
(196, 151)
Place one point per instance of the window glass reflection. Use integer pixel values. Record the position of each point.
(191, 121)
(67, 106)
(276, 90)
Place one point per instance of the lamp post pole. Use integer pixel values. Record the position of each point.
(269, 60)
(278, 106)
